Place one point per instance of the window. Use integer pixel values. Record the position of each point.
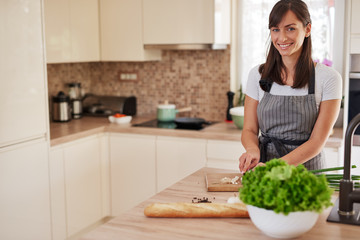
(253, 33)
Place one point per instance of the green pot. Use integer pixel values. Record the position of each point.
(166, 113)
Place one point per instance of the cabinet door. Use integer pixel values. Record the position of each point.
(57, 31)
(121, 25)
(24, 191)
(84, 30)
(132, 160)
(355, 27)
(82, 168)
(23, 90)
(57, 193)
(178, 21)
(332, 157)
(72, 31)
(355, 17)
(178, 158)
(224, 154)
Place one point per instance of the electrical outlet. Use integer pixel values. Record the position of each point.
(128, 76)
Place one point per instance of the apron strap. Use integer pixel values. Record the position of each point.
(279, 146)
(265, 85)
(311, 89)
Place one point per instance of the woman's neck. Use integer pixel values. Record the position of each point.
(289, 71)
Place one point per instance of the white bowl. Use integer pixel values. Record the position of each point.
(278, 225)
(237, 111)
(111, 119)
(122, 120)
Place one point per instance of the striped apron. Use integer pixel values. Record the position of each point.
(286, 122)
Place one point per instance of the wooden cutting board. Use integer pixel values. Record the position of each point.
(213, 182)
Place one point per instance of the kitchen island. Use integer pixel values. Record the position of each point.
(133, 224)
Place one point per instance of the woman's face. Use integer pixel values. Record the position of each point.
(288, 37)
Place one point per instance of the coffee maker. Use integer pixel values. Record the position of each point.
(75, 99)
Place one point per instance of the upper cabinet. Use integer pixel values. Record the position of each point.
(121, 24)
(72, 31)
(186, 22)
(355, 27)
(132, 30)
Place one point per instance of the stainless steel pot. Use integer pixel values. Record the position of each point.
(61, 108)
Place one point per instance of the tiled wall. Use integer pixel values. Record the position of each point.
(199, 79)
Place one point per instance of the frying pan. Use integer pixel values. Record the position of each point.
(190, 123)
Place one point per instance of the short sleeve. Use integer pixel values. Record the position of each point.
(252, 85)
(332, 84)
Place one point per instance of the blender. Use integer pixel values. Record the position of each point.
(76, 99)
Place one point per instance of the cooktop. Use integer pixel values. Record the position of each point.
(172, 125)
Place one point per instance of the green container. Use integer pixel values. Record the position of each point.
(166, 113)
(238, 121)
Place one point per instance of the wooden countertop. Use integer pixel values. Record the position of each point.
(134, 225)
(86, 126)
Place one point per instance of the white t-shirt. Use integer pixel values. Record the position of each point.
(328, 85)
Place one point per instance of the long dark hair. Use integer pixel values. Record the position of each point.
(271, 70)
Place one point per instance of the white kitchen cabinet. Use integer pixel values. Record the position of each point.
(24, 191)
(355, 27)
(332, 156)
(177, 158)
(82, 167)
(186, 21)
(57, 193)
(79, 175)
(133, 179)
(23, 91)
(224, 154)
(72, 31)
(121, 24)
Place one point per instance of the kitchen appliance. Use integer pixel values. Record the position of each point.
(347, 206)
(61, 108)
(75, 99)
(178, 123)
(104, 106)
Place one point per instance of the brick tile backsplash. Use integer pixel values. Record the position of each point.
(199, 79)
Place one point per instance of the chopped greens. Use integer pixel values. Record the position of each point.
(285, 188)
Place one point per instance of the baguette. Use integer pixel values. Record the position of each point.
(196, 210)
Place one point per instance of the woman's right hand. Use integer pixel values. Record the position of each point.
(249, 160)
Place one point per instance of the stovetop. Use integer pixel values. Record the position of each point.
(170, 125)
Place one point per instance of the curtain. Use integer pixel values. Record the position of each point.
(253, 33)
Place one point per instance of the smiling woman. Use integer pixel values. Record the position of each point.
(253, 35)
(291, 101)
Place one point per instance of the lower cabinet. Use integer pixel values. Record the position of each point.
(133, 179)
(177, 158)
(224, 154)
(332, 156)
(79, 192)
(24, 191)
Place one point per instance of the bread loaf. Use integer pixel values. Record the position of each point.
(195, 210)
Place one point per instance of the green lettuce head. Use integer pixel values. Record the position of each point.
(285, 188)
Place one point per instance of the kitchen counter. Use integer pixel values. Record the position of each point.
(86, 126)
(134, 225)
